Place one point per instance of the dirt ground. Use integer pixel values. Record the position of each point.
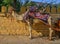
(25, 40)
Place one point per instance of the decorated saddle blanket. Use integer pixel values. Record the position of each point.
(43, 17)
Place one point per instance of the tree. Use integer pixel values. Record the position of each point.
(1, 1)
(16, 5)
(7, 2)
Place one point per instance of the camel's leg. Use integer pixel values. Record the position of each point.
(50, 33)
(30, 30)
(50, 30)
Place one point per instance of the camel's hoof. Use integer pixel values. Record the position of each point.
(30, 37)
(51, 39)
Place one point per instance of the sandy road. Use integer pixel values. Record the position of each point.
(25, 40)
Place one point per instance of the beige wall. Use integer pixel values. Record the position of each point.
(3, 9)
(23, 9)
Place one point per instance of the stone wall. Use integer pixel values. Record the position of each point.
(8, 27)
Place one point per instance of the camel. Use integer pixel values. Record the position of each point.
(21, 18)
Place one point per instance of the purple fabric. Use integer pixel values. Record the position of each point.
(32, 8)
(42, 17)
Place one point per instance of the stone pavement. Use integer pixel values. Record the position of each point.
(25, 40)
